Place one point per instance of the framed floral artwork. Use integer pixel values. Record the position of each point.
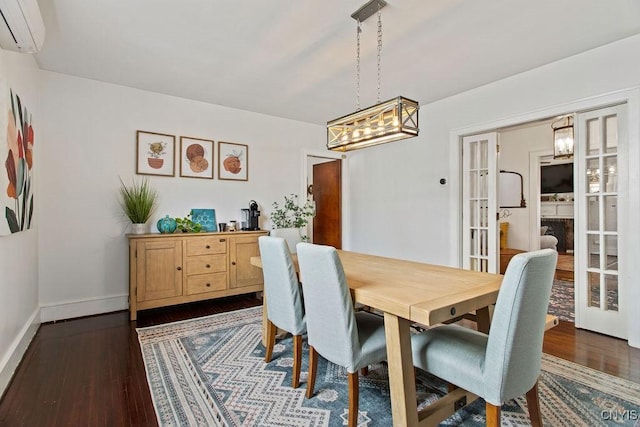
(233, 161)
(196, 157)
(17, 153)
(155, 154)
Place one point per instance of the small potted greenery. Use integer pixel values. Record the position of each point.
(139, 201)
(187, 225)
(289, 219)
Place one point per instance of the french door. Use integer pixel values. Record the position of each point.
(479, 202)
(601, 169)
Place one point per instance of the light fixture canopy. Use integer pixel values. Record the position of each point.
(387, 121)
(384, 122)
(563, 138)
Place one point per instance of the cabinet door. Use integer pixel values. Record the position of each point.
(241, 272)
(159, 269)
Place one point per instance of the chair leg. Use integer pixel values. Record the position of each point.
(313, 367)
(533, 405)
(271, 339)
(354, 396)
(297, 360)
(364, 371)
(493, 415)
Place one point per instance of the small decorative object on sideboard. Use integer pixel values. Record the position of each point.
(206, 218)
(166, 225)
(186, 225)
(232, 226)
(138, 202)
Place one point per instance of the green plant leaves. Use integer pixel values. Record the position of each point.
(138, 200)
(291, 215)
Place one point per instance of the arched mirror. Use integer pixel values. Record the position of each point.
(510, 191)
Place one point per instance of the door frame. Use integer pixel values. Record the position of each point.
(331, 155)
(629, 96)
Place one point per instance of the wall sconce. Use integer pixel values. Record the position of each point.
(563, 138)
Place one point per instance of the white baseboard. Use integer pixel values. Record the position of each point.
(79, 308)
(17, 349)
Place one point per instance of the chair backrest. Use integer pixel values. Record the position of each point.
(331, 322)
(281, 287)
(514, 349)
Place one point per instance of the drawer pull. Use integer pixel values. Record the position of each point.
(208, 285)
(208, 266)
(223, 240)
(208, 247)
(179, 268)
(233, 263)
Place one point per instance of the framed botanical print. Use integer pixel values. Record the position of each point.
(233, 161)
(155, 154)
(196, 157)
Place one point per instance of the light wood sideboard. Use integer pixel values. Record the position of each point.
(169, 269)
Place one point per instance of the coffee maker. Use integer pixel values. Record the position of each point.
(250, 217)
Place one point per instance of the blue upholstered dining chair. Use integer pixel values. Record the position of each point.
(504, 364)
(334, 330)
(285, 309)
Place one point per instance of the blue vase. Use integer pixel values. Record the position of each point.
(166, 225)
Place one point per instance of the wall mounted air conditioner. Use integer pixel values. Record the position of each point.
(21, 26)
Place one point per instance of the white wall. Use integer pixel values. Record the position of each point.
(515, 146)
(19, 314)
(395, 187)
(91, 140)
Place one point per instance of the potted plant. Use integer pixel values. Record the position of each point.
(138, 202)
(187, 225)
(289, 219)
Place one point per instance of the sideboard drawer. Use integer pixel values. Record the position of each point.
(202, 283)
(206, 245)
(204, 264)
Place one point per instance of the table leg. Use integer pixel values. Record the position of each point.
(402, 382)
(264, 320)
(483, 319)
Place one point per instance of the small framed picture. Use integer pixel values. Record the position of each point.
(196, 157)
(206, 218)
(155, 154)
(233, 161)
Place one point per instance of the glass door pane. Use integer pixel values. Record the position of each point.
(479, 203)
(597, 285)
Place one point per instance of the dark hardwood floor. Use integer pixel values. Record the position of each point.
(89, 371)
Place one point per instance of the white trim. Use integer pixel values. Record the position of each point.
(18, 347)
(346, 207)
(85, 307)
(630, 96)
(534, 203)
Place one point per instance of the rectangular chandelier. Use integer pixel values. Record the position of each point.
(387, 121)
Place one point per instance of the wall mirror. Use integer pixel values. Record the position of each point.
(510, 190)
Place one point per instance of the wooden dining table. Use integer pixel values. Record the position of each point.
(408, 292)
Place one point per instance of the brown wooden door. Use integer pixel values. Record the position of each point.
(327, 194)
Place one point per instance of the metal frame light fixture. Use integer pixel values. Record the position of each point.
(386, 121)
(563, 138)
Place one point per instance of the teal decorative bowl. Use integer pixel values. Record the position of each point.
(166, 225)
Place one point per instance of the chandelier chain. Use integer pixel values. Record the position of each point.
(379, 49)
(358, 67)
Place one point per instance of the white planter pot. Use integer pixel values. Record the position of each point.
(138, 228)
(292, 236)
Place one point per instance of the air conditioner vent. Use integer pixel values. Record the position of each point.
(21, 26)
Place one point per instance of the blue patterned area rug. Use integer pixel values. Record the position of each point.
(210, 371)
(562, 302)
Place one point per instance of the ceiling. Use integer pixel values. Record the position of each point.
(296, 59)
